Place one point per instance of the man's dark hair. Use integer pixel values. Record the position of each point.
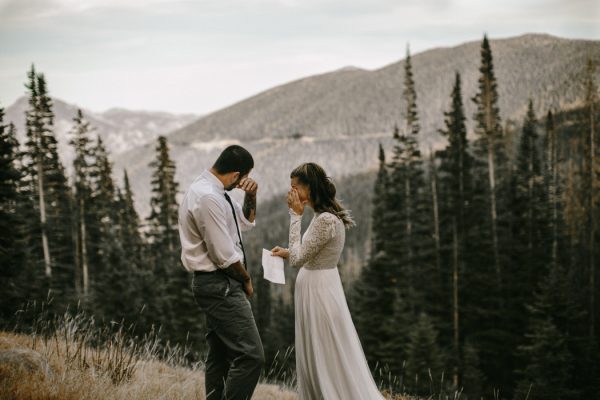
(234, 159)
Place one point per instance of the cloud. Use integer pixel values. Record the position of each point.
(209, 53)
(23, 11)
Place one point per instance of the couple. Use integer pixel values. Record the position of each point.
(330, 363)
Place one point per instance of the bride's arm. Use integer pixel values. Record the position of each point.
(322, 231)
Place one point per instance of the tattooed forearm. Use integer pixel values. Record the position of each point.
(250, 207)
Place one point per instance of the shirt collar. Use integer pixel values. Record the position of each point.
(213, 180)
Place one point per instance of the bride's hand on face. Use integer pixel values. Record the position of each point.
(294, 202)
(280, 252)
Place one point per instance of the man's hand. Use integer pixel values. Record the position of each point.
(248, 288)
(249, 186)
(280, 252)
(237, 272)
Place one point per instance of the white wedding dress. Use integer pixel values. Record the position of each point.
(330, 362)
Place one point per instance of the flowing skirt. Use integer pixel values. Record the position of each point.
(330, 362)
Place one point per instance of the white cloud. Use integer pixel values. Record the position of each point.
(22, 11)
(183, 55)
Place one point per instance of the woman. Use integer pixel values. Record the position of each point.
(330, 363)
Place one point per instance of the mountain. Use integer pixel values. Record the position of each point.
(353, 101)
(120, 129)
(338, 119)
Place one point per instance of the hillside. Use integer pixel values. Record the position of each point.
(355, 102)
(63, 377)
(68, 365)
(120, 129)
(339, 118)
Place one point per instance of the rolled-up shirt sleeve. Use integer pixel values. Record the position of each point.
(212, 223)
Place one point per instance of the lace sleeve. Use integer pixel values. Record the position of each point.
(323, 230)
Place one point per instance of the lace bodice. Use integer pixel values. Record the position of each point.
(322, 243)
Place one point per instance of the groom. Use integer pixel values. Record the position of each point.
(210, 226)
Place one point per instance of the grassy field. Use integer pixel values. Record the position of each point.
(79, 373)
(71, 359)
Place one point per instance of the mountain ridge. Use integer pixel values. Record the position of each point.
(271, 113)
(338, 118)
(120, 129)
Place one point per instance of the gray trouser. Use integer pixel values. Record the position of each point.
(235, 352)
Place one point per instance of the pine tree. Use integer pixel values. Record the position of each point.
(456, 160)
(456, 165)
(176, 301)
(374, 294)
(489, 145)
(435, 205)
(425, 360)
(395, 329)
(381, 314)
(528, 204)
(408, 160)
(103, 218)
(407, 206)
(12, 257)
(552, 339)
(591, 178)
(163, 217)
(553, 187)
(430, 278)
(484, 305)
(59, 196)
(45, 187)
(34, 164)
(83, 197)
(528, 251)
(573, 197)
(472, 377)
(130, 248)
(410, 97)
(109, 282)
(379, 197)
(129, 221)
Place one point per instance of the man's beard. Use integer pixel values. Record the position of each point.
(233, 185)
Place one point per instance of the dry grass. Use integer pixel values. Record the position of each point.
(91, 362)
(150, 379)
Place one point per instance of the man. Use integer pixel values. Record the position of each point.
(210, 226)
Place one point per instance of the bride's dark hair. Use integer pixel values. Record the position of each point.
(322, 191)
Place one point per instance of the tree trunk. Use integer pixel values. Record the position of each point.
(490, 132)
(408, 216)
(46, 249)
(461, 192)
(455, 309)
(530, 200)
(592, 230)
(572, 207)
(436, 218)
(77, 245)
(554, 194)
(84, 259)
(492, 179)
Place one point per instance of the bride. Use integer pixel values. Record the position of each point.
(330, 363)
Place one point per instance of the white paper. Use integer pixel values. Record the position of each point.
(273, 267)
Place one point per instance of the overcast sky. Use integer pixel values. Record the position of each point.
(201, 55)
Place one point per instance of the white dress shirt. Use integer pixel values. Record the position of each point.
(209, 238)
